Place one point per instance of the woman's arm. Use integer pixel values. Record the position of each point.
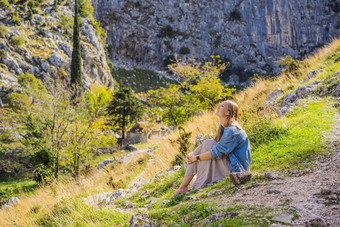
(225, 146)
(203, 157)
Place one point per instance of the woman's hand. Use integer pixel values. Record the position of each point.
(187, 157)
(190, 158)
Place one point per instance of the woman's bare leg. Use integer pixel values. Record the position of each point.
(186, 181)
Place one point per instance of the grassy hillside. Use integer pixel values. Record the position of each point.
(287, 144)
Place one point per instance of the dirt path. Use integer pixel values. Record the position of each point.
(301, 193)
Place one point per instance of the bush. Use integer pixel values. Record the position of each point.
(30, 15)
(116, 185)
(15, 18)
(3, 31)
(3, 53)
(43, 156)
(4, 4)
(99, 30)
(166, 31)
(18, 41)
(185, 50)
(169, 60)
(29, 81)
(18, 101)
(290, 63)
(235, 15)
(88, 170)
(85, 8)
(42, 175)
(66, 23)
(184, 145)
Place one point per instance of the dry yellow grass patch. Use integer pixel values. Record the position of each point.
(47, 197)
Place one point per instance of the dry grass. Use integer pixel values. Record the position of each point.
(47, 197)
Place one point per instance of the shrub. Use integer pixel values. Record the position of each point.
(116, 185)
(15, 18)
(184, 145)
(66, 23)
(29, 15)
(85, 8)
(43, 156)
(290, 63)
(169, 60)
(18, 101)
(3, 53)
(42, 175)
(166, 31)
(18, 41)
(99, 30)
(168, 44)
(88, 170)
(4, 3)
(235, 15)
(3, 31)
(185, 50)
(29, 81)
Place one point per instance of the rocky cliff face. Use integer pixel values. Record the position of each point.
(46, 47)
(252, 34)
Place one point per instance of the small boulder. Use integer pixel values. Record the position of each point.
(283, 218)
(274, 191)
(312, 74)
(325, 191)
(337, 90)
(271, 99)
(5, 207)
(165, 202)
(289, 98)
(316, 222)
(130, 147)
(268, 175)
(303, 91)
(116, 194)
(13, 201)
(337, 73)
(234, 79)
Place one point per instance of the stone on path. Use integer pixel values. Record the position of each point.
(283, 218)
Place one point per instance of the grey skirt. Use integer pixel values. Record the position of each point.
(210, 171)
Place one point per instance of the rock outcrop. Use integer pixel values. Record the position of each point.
(46, 48)
(252, 34)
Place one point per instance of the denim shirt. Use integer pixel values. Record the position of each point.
(235, 144)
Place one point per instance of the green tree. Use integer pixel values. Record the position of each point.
(200, 89)
(124, 109)
(76, 78)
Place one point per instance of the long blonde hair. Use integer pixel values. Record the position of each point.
(230, 119)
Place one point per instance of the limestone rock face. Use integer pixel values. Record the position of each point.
(252, 34)
(47, 49)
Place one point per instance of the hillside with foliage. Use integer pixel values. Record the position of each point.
(292, 121)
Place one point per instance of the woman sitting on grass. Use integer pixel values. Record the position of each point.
(228, 154)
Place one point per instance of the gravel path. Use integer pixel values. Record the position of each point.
(312, 195)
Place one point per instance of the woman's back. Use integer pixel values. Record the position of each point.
(235, 144)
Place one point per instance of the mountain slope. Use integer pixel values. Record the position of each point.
(40, 43)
